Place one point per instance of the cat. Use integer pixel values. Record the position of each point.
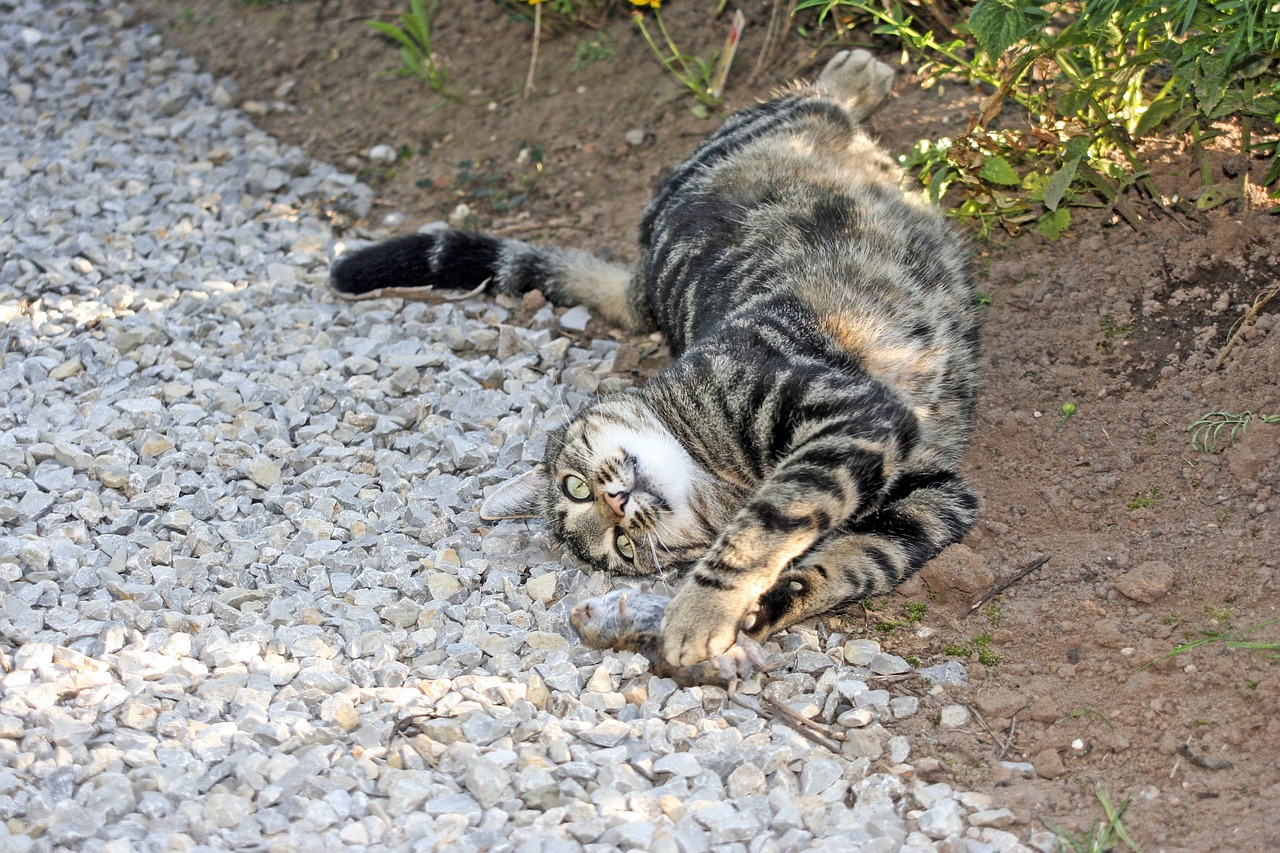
(801, 452)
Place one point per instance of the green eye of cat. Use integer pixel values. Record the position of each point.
(576, 488)
(623, 543)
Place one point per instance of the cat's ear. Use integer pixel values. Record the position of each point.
(517, 498)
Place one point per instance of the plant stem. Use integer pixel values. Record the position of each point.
(533, 58)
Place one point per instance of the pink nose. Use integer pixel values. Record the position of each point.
(617, 501)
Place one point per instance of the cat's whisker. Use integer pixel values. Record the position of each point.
(652, 548)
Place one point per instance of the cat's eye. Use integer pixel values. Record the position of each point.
(623, 543)
(576, 488)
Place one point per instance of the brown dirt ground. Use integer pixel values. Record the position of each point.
(1148, 540)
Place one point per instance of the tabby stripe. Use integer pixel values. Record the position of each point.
(775, 520)
(908, 483)
(817, 478)
(711, 582)
(888, 567)
(734, 134)
(909, 535)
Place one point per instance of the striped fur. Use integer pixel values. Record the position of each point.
(802, 451)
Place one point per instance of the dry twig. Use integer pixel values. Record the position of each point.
(1005, 584)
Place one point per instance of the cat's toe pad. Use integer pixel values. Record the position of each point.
(858, 79)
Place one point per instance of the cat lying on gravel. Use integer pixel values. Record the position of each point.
(802, 451)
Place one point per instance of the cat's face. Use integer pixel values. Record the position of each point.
(620, 491)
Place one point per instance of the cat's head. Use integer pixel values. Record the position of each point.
(619, 489)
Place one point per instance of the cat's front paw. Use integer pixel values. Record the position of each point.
(700, 624)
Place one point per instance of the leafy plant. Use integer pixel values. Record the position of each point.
(1225, 635)
(417, 58)
(696, 74)
(590, 51)
(981, 645)
(1145, 500)
(1092, 78)
(1103, 836)
(1207, 431)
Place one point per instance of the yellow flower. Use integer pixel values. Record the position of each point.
(657, 4)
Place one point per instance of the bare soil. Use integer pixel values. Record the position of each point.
(1149, 541)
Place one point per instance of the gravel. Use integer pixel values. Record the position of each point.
(247, 599)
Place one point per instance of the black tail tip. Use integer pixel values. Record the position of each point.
(395, 267)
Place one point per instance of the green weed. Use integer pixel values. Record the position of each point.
(915, 610)
(1112, 330)
(1090, 712)
(979, 645)
(695, 73)
(1104, 835)
(1206, 432)
(417, 57)
(1225, 635)
(590, 51)
(1145, 500)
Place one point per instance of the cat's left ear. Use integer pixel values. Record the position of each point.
(517, 498)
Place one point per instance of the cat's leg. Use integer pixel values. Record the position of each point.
(428, 266)
(871, 555)
(839, 449)
(858, 80)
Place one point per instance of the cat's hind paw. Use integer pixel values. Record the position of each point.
(857, 79)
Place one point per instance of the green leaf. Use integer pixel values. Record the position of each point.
(999, 24)
(1072, 103)
(1052, 225)
(391, 31)
(1273, 173)
(1056, 187)
(1216, 196)
(1033, 183)
(1157, 114)
(998, 171)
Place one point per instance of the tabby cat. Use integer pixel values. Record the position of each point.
(801, 452)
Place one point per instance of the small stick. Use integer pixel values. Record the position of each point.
(994, 737)
(800, 720)
(533, 58)
(1258, 305)
(534, 226)
(1013, 731)
(1005, 584)
(808, 734)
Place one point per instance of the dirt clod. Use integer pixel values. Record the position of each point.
(1147, 583)
(1049, 764)
(960, 571)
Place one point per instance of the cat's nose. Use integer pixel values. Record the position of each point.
(617, 501)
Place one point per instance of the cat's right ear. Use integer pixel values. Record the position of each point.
(517, 498)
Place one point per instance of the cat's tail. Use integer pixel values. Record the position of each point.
(421, 266)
